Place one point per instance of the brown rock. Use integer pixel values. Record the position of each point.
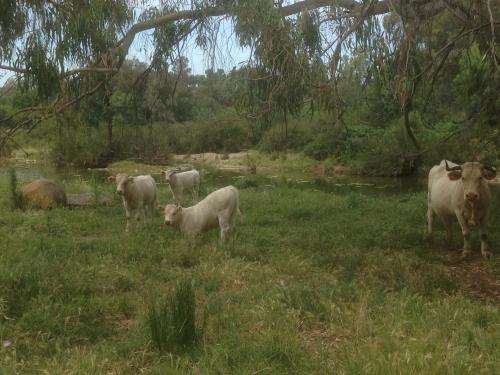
(43, 194)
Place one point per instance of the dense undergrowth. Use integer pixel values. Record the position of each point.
(315, 282)
(363, 150)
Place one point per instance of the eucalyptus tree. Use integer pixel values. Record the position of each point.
(65, 51)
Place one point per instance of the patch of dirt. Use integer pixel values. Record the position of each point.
(126, 324)
(318, 339)
(476, 281)
(237, 162)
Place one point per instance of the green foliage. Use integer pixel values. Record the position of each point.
(80, 146)
(173, 324)
(279, 138)
(386, 153)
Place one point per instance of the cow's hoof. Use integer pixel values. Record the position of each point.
(466, 253)
(486, 254)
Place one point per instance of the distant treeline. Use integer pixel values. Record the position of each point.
(176, 112)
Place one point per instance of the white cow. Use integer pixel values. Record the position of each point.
(138, 194)
(179, 182)
(462, 191)
(219, 208)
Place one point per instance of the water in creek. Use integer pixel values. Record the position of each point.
(212, 177)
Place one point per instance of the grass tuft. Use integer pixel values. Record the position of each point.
(173, 323)
(15, 196)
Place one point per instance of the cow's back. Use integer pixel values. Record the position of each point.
(184, 180)
(191, 178)
(145, 188)
(221, 199)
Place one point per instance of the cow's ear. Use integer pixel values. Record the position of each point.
(130, 179)
(454, 175)
(179, 208)
(111, 179)
(163, 173)
(489, 173)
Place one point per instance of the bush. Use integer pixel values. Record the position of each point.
(173, 324)
(80, 146)
(276, 140)
(343, 143)
(385, 152)
(473, 143)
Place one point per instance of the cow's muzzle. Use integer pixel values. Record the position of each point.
(471, 196)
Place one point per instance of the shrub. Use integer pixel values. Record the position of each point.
(276, 140)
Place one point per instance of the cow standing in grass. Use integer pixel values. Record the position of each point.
(218, 209)
(462, 191)
(138, 194)
(182, 181)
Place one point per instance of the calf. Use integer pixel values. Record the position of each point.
(462, 191)
(219, 208)
(179, 182)
(138, 194)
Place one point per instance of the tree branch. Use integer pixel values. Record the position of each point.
(13, 69)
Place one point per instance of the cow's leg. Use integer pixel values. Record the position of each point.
(430, 220)
(225, 229)
(196, 190)
(174, 194)
(151, 210)
(485, 248)
(448, 224)
(127, 218)
(465, 232)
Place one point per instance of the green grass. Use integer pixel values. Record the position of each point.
(315, 282)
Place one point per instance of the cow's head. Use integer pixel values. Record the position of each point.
(172, 214)
(122, 180)
(168, 174)
(473, 176)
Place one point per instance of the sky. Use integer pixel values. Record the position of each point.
(228, 53)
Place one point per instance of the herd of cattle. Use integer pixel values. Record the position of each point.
(456, 190)
(218, 209)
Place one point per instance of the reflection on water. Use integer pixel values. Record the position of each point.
(337, 184)
(33, 171)
(211, 177)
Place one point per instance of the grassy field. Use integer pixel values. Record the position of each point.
(316, 282)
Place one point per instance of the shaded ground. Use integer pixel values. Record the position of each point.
(476, 281)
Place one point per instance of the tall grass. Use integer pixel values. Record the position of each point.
(173, 323)
(15, 196)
